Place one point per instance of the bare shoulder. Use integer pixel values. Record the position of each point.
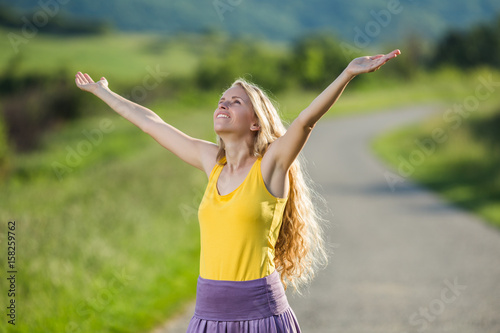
(208, 155)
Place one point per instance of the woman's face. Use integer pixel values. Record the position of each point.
(235, 112)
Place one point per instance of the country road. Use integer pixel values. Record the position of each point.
(403, 259)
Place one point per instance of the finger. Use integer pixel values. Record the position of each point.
(81, 78)
(393, 54)
(78, 78)
(378, 56)
(81, 81)
(89, 79)
(380, 61)
(389, 56)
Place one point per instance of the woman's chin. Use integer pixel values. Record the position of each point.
(221, 129)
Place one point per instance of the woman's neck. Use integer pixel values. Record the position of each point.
(238, 154)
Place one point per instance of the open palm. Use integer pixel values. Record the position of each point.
(370, 64)
(85, 82)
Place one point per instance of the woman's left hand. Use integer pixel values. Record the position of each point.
(370, 64)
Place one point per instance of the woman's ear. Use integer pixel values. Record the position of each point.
(255, 127)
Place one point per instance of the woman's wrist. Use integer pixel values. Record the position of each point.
(101, 91)
(347, 74)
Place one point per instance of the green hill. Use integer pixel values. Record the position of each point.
(277, 19)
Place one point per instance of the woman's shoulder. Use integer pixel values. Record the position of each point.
(209, 159)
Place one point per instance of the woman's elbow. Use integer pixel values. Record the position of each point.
(306, 123)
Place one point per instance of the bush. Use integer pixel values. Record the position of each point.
(35, 103)
(265, 66)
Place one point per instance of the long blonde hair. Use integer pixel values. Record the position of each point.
(300, 248)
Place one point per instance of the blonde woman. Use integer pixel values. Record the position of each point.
(259, 230)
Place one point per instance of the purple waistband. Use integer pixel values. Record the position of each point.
(240, 300)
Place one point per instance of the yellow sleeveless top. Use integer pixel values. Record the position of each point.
(239, 230)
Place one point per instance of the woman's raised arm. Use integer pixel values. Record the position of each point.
(285, 149)
(198, 153)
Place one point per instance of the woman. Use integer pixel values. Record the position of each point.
(256, 217)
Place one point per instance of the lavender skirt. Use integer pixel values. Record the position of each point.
(255, 306)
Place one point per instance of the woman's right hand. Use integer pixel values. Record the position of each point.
(85, 82)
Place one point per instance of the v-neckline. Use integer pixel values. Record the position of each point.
(239, 186)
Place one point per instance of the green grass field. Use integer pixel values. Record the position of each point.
(121, 57)
(108, 241)
(112, 246)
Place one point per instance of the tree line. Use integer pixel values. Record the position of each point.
(479, 45)
(57, 24)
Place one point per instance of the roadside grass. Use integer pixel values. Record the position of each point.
(463, 168)
(114, 245)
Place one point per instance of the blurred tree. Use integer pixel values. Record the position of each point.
(317, 60)
(452, 49)
(33, 104)
(8, 17)
(413, 58)
(484, 45)
(62, 23)
(254, 60)
(477, 46)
